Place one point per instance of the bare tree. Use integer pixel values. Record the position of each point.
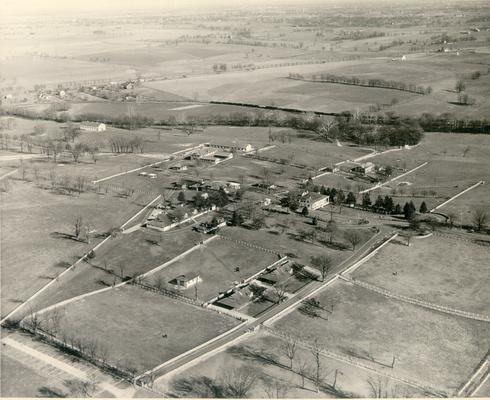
(354, 238)
(76, 151)
(275, 389)
(319, 371)
(280, 293)
(78, 224)
(479, 217)
(381, 387)
(239, 382)
(302, 366)
(290, 347)
(324, 265)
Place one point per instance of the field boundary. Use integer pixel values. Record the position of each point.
(247, 244)
(351, 361)
(481, 371)
(176, 358)
(420, 303)
(378, 185)
(457, 195)
(70, 268)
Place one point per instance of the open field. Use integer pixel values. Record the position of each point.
(270, 87)
(137, 319)
(444, 271)
(219, 264)
(265, 354)
(29, 261)
(427, 345)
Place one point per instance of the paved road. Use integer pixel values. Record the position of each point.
(298, 296)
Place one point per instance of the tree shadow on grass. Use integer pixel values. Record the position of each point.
(45, 391)
(260, 356)
(61, 235)
(198, 387)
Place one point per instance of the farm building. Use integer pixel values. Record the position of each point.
(93, 127)
(358, 168)
(227, 186)
(178, 167)
(313, 201)
(216, 157)
(231, 146)
(186, 281)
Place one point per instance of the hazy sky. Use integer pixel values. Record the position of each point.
(30, 7)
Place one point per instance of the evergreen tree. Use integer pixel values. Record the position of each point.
(340, 197)
(351, 198)
(409, 210)
(366, 200)
(314, 221)
(323, 191)
(305, 211)
(379, 203)
(423, 208)
(398, 209)
(236, 219)
(181, 197)
(388, 204)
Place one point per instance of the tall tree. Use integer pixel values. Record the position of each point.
(323, 263)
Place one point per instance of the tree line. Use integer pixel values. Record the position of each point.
(373, 82)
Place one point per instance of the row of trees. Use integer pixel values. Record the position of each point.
(373, 82)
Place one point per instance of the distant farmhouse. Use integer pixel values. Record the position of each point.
(186, 281)
(313, 201)
(93, 127)
(358, 168)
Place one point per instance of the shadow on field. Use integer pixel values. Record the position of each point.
(45, 391)
(197, 386)
(246, 353)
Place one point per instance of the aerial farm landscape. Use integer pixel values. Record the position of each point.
(277, 199)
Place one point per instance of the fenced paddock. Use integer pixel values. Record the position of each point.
(137, 329)
(426, 345)
(220, 263)
(438, 269)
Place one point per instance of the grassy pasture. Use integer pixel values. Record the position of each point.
(440, 270)
(427, 345)
(313, 154)
(216, 264)
(129, 253)
(158, 111)
(283, 243)
(265, 354)
(136, 320)
(47, 218)
(463, 206)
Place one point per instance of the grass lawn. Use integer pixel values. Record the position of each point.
(129, 323)
(437, 349)
(265, 355)
(441, 270)
(48, 218)
(216, 264)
